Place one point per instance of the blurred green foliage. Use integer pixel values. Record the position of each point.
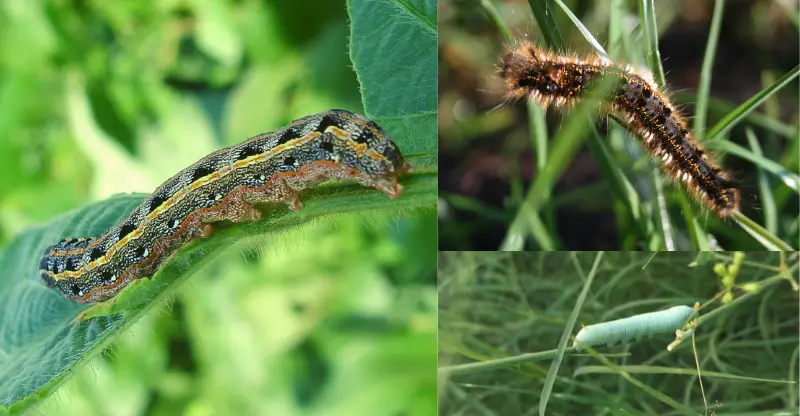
(159, 81)
(98, 98)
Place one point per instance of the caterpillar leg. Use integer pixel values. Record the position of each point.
(234, 207)
(293, 201)
(390, 187)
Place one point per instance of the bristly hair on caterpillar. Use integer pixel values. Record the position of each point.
(636, 101)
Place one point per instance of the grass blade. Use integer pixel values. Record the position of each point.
(761, 234)
(494, 16)
(704, 87)
(562, 343)
(543, 13)
(735, 116)
(584, 31)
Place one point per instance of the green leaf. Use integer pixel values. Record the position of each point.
(393, 46)
(42, 345)
(39, 342)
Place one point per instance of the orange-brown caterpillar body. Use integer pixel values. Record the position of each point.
(637, 101)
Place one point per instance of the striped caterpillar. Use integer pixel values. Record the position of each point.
(225, 185)
(634, 327)
(637, 102)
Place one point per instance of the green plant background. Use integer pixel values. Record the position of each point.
(308, 312)
(507, 322)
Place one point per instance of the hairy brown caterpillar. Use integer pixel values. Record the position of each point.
(636, 101)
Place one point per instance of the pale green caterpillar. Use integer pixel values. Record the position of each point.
(634, 327)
